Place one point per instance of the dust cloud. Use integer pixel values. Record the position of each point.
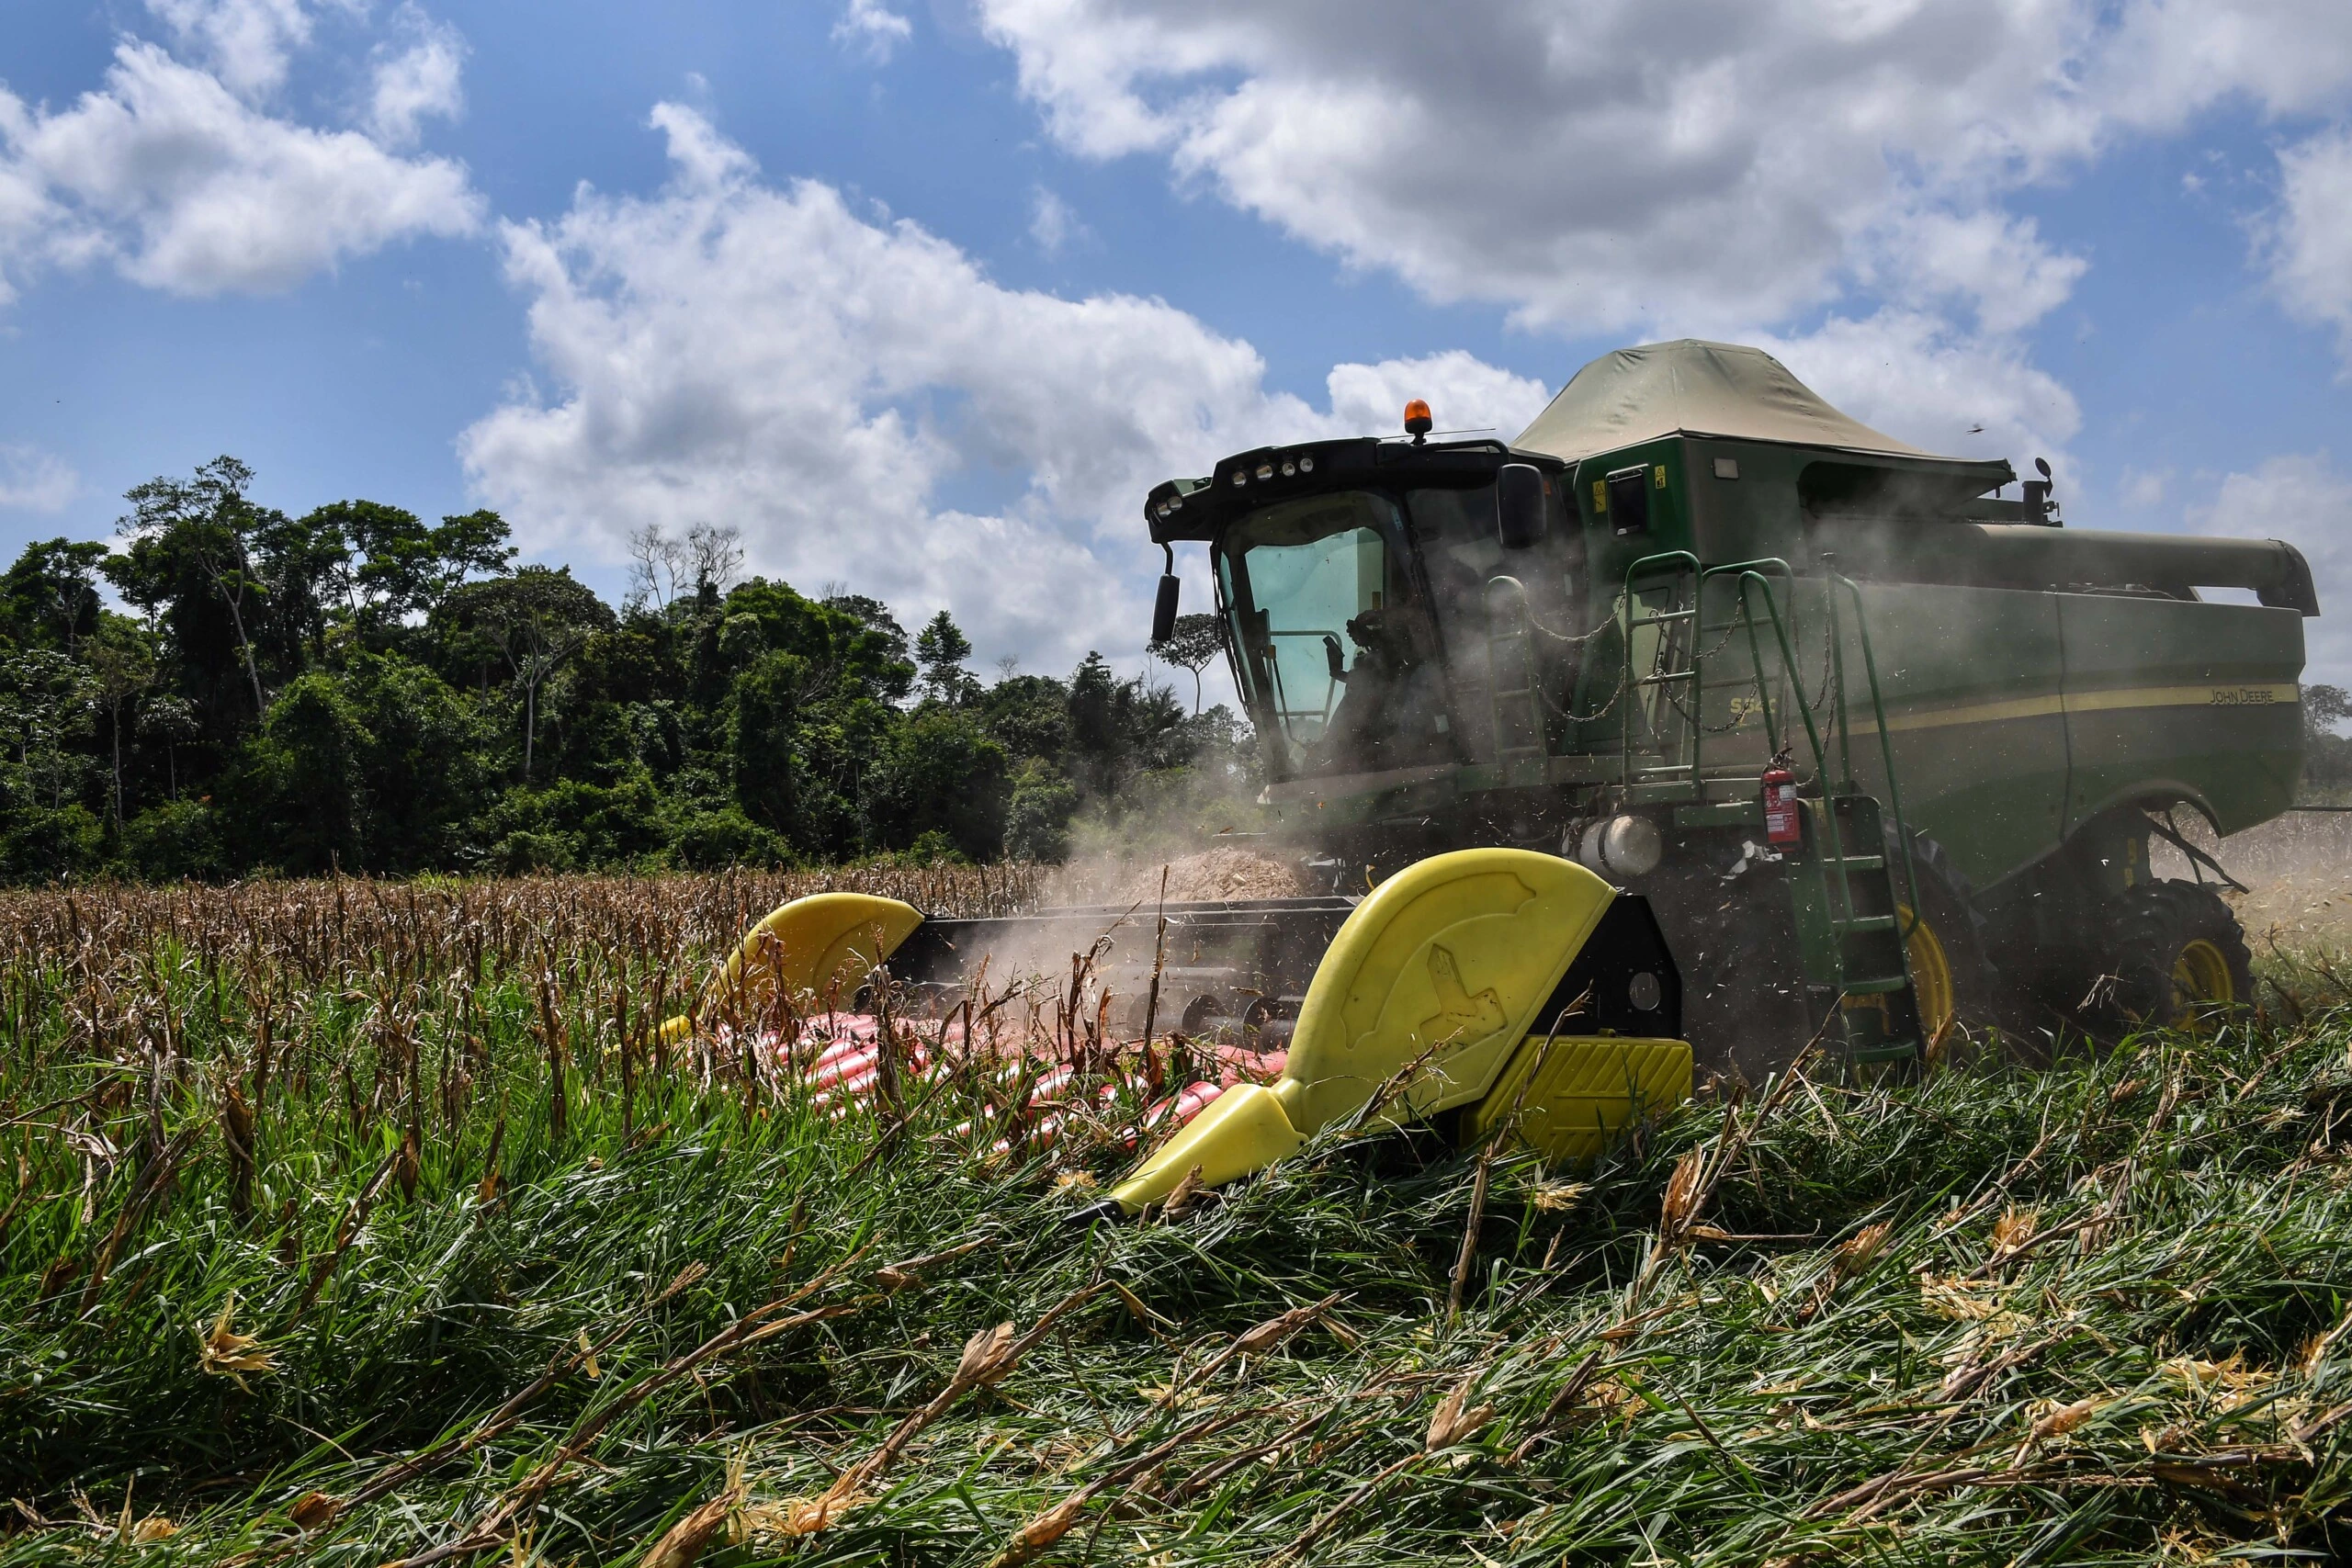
(1226, 872)
(2299, 868)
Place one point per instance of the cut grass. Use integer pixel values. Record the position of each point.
(396, 1308)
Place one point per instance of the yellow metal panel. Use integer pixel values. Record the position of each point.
(1242, 1131)
(1439, 971)
(1444, 964)
(819, 947)
(1573, 1094)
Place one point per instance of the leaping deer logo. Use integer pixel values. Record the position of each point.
(1461, 1015)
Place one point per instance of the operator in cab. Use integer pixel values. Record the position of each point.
(1391, 694)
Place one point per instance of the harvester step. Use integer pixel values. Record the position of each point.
(1875, 987)
(1852, 863)
(1891, 1051)
(1865, 923)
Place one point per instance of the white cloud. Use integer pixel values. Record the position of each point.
(248, 43)
(1982, 264)
(736, 351)
(2143, 491)
(873, 28)
(2309, 248)
(1912, 374)
(34, 480)
(421, 82)
(1663, 167)
(1464, 394)
(1052, 223)
(2304, 500)
(183, 186)
(1676, 163)
(27, 214)
(1609, 165)
(2162, 62)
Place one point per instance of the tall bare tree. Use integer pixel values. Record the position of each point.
(715, 556)
(657, 560)
(121, 662)
(537, 620)
(1191, 644)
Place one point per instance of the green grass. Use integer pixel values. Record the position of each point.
(2162, 1368)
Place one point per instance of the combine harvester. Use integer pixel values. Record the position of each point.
(1698, 712)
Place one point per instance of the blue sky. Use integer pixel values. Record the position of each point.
(923, 294)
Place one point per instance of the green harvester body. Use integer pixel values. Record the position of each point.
(1694, 726)
(1727, 569)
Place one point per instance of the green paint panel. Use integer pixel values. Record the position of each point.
(2196, 696)
(1956, 666)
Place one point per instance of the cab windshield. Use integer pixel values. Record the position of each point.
(1336, 662)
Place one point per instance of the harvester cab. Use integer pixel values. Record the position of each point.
(1698, 712)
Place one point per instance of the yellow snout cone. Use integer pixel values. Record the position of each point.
(1424, 1003)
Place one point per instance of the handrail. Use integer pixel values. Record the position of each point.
(1756, 663)
(1636, 567)
(1646, 565)
(1886, 743)
(1841, 718)
(1749, 576)
(1679, 561)
(1756, 576)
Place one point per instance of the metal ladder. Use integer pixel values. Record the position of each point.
(1849, 924)
(1852, 929)
(1511, 676)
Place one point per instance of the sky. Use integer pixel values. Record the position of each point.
(924, 295)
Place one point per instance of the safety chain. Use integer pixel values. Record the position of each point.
(1696, 662)
(1658, 659)
(1600, 712)
(1573, 639)
(1731, 628)
(1812, 704)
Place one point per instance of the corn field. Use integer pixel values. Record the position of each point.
(358, 1224)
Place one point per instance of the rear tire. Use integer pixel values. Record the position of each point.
(2169, 954)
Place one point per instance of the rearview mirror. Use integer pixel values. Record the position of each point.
(1163, 612)
(1519, 505)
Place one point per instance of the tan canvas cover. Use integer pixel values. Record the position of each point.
(1693, 388)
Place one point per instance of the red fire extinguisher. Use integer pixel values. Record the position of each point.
(1784, 820)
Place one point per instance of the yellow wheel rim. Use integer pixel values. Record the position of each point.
(1932, 981)
(2200, 982)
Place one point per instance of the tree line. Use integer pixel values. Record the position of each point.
(356, 689)
(2327, 755)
